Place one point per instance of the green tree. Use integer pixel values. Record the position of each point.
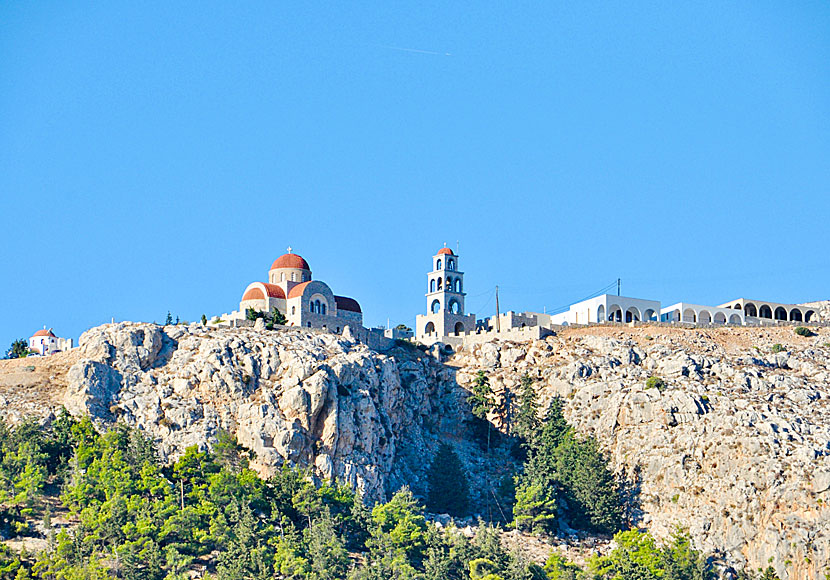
(169, 320)
(482, 399)
(204, 320)
(400, 519)
(449, 491)
(252, 314)
(19, 349)
(527, 413)
(535, 509)
(327, 552)
(638, 556)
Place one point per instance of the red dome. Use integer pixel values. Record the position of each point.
(345, 303)
(256, 293)
(44, 332)
(446, 251)
(298, 290)
(253, 294)
(290, 261)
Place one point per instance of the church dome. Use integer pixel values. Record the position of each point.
(290, 261)
(446, 251)
(44, 332)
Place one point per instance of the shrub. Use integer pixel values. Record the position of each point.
(802, 331)
(655, 383)
(776, 348)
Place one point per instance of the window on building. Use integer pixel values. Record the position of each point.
(450, 265)
(432, 285)
(293, 310)
(323, 306)
(282, 277)
(438, 265)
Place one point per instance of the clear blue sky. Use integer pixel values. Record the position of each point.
(159, 156)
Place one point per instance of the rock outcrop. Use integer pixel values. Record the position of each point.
(311, 399)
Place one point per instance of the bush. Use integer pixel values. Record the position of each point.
(776, 348)
(449, 492)
(655, 383)
(802, 331)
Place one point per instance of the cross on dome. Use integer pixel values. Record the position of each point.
(289, 249)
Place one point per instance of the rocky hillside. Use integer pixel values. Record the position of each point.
(733, 445)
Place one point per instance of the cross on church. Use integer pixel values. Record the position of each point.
(289, 249)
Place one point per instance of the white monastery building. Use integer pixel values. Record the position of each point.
(609, 308)
(44, 342)
(446, 321)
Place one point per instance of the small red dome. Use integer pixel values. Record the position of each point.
(446, 251)
(256, 293)
(290, 261)
(345, 303)
(298, 290)
(253, 294)
(44, 332)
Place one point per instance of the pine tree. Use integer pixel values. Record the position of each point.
(481, 400)
(169, 320)
(329, 559)
(449, 492)
(527, 414)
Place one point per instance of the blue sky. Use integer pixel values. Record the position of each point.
(159, 156)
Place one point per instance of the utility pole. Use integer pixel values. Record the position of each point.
(498, 324)
(618, 286)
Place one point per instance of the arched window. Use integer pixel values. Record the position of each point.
(293, 310)
(450, 264)
(323, 306)
(458, 285)
(440, 281)
(436, 306)
(455, 307)
(430, 328)
(294, 276)
(282, 277)
(449, 284)
(432, 285)
(438, 265)
(308, 324)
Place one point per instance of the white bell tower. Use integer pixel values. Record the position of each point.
(446, 316)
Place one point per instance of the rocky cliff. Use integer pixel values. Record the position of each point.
(309, 399)
(734, 446)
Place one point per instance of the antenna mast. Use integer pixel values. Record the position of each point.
(498, 324)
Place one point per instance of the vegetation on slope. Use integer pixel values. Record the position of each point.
(133, 517)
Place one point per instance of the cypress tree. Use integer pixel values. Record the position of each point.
(449, 491)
